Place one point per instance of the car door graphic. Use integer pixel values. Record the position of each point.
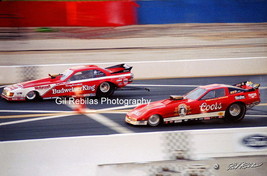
(213, 101)
(86, 82)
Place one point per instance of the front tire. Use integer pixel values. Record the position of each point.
(235, 112)
(32, 96)
(154, 120)
(105, 89)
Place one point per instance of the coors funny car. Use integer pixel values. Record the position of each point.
(89, 80)
(205, 102)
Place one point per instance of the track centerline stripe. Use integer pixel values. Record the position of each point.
(34, 119)
(34, 111)
(164, 85)
(104, 120)
(27, 115)
(109, 123)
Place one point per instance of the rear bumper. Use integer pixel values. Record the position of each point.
(249, 106)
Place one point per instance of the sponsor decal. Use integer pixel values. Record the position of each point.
(233, 92)
(204, 107)
(252, 95)
(13, 87)
(255, 141)
(137, 113)
(42, 87)
(182, 110)
(125, 81)
(72, 85)
(240, 97)
(89, 95)
(220, 114)
(73, 89)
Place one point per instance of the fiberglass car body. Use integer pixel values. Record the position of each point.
(205, 102)
(90, 80)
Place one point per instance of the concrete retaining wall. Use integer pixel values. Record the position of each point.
(150, 69)
(81, 156)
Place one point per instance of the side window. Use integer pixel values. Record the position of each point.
(76, 76)
(214, 94)
(82, 75)
(98, 73)
(87, 75)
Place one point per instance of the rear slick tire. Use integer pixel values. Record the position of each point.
(235, 112)
(105, 89)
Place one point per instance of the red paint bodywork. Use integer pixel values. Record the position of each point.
(58, 86)
(184, 108)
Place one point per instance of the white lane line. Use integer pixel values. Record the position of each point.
(256, 115)
(262, 104)
(103, 119)
(140, 62)
(33, 111)
(109, 111)
(114, 112)
(89, 110)
(170, 85)
(118, 108)
(158, 85)
(109, 123)
(33, 119)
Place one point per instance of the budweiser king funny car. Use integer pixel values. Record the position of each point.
(90, 80)
(205, 102)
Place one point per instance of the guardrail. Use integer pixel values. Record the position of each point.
(82, 155)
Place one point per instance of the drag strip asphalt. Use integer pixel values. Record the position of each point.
(47, 119)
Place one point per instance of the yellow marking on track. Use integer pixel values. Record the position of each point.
(30, 115)
(88, 111)
(107, 111)
(66, 113)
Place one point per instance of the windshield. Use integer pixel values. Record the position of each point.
(66, 74)
(195, 94)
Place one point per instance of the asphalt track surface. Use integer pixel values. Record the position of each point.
(44, 119)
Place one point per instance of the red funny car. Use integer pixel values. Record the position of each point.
(90, 80)
(205, 102)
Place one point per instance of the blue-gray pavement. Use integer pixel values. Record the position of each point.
(81, 125)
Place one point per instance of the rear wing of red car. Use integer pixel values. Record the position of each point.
(248, 85)
(121, 68)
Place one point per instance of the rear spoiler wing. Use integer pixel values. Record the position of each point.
(120, 68)
(248, 85)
